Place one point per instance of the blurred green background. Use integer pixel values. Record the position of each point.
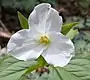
(70, 10)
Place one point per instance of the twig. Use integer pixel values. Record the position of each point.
(4, 27)
(5, 34)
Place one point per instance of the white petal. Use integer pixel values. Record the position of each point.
(31, 51)
(44, 18)
(62, 43)
(60, 50)
(57, 59)
(23, 46)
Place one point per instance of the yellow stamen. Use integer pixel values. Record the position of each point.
(44, 40)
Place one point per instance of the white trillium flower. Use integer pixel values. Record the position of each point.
(43, 38)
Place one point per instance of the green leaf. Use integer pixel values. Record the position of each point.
(66, 27)
(72, 33)
(12, 69)
(23, 21)
(87, 35)
(57, 73)
(40, 63)
(80, 47)
(80, 67)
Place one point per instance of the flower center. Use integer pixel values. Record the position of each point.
(44, 40)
